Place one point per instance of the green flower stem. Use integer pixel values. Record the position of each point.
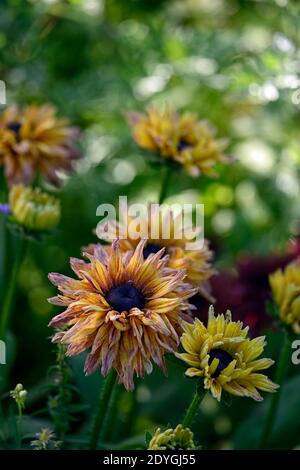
(3, 236)
(107, 432)
(194, 407)
(19, 426)
(279, 378)
(133, 410)
(164, 184)
(9, 298)
(105, 396)
(3, 186)
(3, 257)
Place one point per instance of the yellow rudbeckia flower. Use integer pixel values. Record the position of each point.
(34, 141)
(181, 138)
(225, 358)
(163, 230)
(125, 308)
(285, 285)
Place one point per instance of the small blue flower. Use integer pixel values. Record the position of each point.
(5, 209)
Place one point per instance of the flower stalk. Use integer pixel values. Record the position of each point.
(60, 403)
(164, 184)
(19, 394)
(280, 374)
(9, 298)
(109, 424)
(105, 396)
(194, 407)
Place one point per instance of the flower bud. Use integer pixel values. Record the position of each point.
(33, 208)
(179, 438)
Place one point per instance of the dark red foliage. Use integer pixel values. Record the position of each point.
(246, 291)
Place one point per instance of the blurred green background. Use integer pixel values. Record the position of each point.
(234, 62)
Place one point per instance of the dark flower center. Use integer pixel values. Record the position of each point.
(224, 360)
(182, 145)
(125, 296)
(15, 127)
(151, 248)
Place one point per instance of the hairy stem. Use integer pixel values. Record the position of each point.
(193, 408)
(105, 396)
(164, 184)
(109, 424)
(9, 298)
(280, 374)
